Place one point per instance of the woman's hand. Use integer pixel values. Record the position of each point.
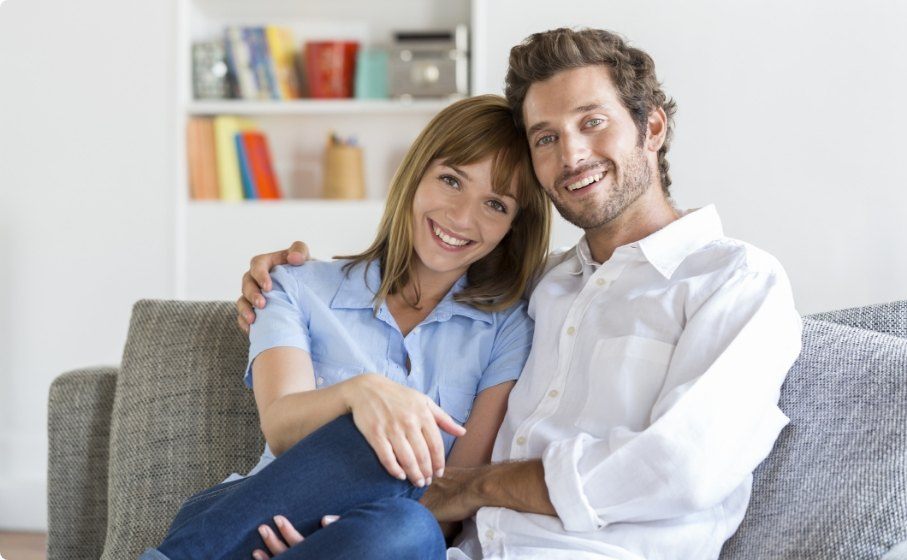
(257, 279)
(401, 425)
(277, 544)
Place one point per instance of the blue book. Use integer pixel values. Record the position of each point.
(245, 170)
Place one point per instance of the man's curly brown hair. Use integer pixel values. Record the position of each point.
(542, 55)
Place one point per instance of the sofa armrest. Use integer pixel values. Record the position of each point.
(79, 409)
(888, 318)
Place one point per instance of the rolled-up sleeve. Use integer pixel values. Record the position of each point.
(283, 322)
(714, 421)
(511, 348)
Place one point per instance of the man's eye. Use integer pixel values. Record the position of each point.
(498, 206)
(594, 122)
(451, 181)
(545, 140)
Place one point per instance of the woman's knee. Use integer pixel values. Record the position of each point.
(406, 527)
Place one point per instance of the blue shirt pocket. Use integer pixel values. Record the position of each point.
(327, 374)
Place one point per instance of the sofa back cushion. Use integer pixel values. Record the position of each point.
(182, 419)
(835, 485)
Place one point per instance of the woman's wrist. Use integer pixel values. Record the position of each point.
(351, 390)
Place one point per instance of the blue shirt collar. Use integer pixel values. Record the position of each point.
(360, 284)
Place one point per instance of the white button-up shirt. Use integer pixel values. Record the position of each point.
(650, 395)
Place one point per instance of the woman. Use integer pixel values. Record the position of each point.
(407, 337)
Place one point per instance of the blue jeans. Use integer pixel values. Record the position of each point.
(332, 471)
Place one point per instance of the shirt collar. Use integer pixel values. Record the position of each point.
(360, 284)
(668, 247)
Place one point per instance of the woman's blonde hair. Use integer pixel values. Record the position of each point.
(466, 132)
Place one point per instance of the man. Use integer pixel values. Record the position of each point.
(660, 345)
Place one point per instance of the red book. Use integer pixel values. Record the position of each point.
(260, 163)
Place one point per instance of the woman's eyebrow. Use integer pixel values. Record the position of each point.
(459, 171)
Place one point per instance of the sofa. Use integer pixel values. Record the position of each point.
(127, 445)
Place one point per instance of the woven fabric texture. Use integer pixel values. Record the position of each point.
(78, 430)
(889, 318)
(182, 419)
(835, 485)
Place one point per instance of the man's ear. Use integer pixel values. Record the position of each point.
(657, 129)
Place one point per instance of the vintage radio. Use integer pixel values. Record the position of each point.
(430, 64)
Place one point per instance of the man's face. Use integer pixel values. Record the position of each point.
(585, 146)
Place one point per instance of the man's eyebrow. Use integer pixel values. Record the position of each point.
(581, 109)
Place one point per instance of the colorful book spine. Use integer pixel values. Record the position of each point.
(228, 172)
(262, 170)
(283, 60)
(202, 159)
(239, 62)
(245, 172)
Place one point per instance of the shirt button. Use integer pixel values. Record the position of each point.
(571, 330)
(489, 534)
(321, 380)
(520, 440)
(553, 393)
(601, 281)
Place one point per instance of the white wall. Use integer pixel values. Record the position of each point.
(85, 206)
(791, 119)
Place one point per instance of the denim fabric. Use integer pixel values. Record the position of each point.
(332, 471)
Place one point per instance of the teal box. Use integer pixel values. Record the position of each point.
(371, 74)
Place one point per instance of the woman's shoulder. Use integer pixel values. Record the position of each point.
(314, 275)
(515, 314)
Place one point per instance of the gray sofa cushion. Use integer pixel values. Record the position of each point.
(835, 485)
(889, 318)
(182, 419)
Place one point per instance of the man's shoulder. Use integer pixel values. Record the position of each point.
(732, 256)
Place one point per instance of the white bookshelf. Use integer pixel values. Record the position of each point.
(215, 239)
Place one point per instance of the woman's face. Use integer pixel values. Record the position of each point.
(458, 218)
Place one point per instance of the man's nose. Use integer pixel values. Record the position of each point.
(574, 150)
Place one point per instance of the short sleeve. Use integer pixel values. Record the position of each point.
(511, 347)
(283, 322)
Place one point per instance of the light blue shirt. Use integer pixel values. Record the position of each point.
(455, 353)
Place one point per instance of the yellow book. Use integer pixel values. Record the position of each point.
(283, 60)
(228, 177)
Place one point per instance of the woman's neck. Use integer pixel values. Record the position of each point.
(418, 298)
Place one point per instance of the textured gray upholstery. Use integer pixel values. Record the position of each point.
(182, 419)
(889, 318)
(834, 487)
(78, 429)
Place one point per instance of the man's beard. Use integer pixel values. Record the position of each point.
(634, 180)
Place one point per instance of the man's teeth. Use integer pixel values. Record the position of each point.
(583, 182)
(448, 239)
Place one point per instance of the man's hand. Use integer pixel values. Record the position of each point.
(454, 496)
(257, 279)
(518, 485)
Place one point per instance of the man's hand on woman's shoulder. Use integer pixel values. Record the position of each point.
(257, 279)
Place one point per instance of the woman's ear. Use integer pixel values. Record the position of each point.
(657, 129)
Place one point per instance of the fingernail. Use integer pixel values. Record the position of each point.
(261, 303)
(263, 531)
(278, 520)
(328, 519)
(439, 473)
(250, 317)
(428, 480)
(420, 483)
(401, 476)
(259, 555)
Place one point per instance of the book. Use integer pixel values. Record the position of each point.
(257, 61)
(202, 159)
(262, 170)
(239, 62)
(209, 71)
(245, 173)
(228, 174)
(283, 60)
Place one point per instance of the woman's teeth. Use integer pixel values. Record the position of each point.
(448, 239)
(584, 182)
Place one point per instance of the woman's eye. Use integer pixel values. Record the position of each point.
(498, 206)
(450, 181)
(545, 140)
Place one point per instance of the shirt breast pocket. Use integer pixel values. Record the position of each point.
(456, 401)
(626, 375)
